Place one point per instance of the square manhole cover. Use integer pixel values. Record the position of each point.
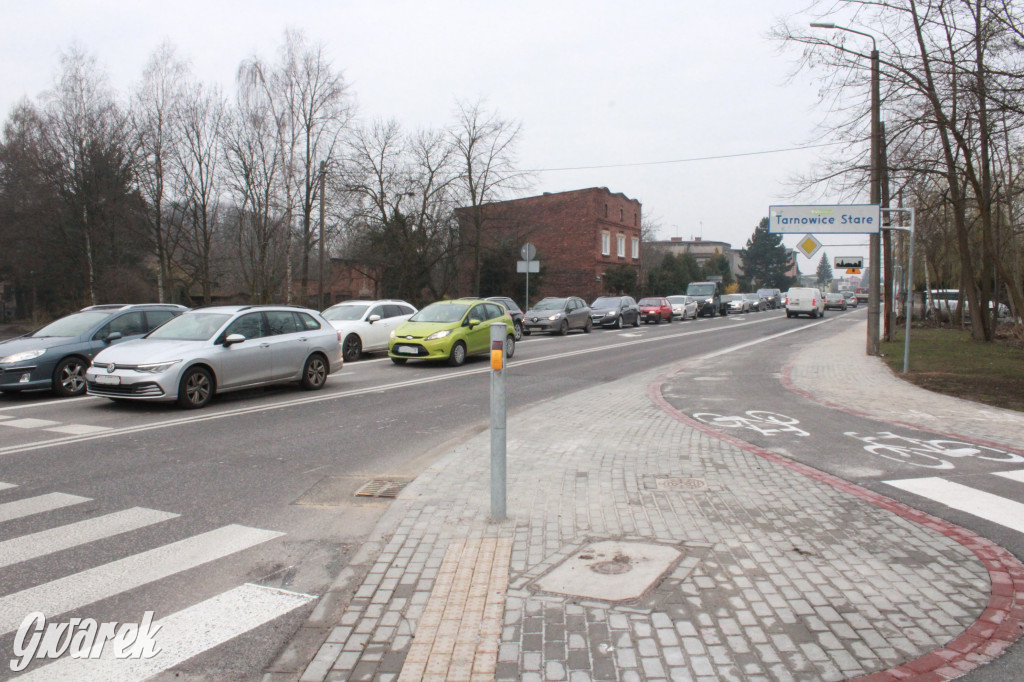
(610, 570)
(677, 483)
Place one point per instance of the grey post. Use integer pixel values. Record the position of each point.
(498, 475)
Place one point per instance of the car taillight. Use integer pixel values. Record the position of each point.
(814, 301)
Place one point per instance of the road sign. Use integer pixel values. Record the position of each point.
(853, 271)
(855, 262)
(849, 219)
(534, 265)
(528, 252)
(808, 245)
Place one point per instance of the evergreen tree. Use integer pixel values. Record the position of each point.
(718, 265)
(824, 272)
(765, 259)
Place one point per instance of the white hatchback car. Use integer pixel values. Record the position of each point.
(366, 325)
(214, 350)
(805, 301)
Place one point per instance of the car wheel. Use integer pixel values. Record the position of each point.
(636, 321)
(458, 355)
(351, 348)
(69, 377)
(510, 346)
(669, 320)
(518, 327)
(588, 326)
(564, 328)
(314, 373)
(195, 389)
(618, 322)
(399, 361)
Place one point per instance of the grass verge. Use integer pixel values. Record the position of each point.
(947, 361)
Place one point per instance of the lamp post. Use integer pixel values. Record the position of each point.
(875, 256)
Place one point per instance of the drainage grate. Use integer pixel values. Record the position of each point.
(681, 484)
(381, 487)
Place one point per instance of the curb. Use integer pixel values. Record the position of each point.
(1002, 622)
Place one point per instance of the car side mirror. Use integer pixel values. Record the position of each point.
(232, 339)
(473, 323)
(113, 336)
(373, 318)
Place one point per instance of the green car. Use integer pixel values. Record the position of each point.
(450, 330)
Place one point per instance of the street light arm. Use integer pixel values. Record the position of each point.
(828, 24)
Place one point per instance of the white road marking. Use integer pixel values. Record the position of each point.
(37, 505)
(58, 401)
(963, 498)
(1012, 475)
(5, 486)
(29, 423)
(77, 429)
(101, 582)
(79, 533)
(183, 635)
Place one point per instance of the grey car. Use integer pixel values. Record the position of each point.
(615, 311)
(558, 316)
(214, 350)
(55, 357)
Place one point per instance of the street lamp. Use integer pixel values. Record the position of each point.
(875, 256)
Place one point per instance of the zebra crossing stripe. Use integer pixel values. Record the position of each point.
(982, 504)
(5, 486)
(101, 582)
(1012, 475)
(38, 505)
(182, 636)
(79, 533)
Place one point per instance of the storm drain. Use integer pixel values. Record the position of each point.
(677, 483)
(381, 487)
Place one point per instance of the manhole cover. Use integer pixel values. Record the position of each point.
(611, 567)
(610, 570)
(677, 483)
(381, 488)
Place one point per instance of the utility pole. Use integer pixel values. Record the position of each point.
(320, 285)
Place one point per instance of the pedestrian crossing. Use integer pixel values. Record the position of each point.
(30, 424)
(977, 502)
(181, 635)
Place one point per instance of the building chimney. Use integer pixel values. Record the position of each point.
(676, 239)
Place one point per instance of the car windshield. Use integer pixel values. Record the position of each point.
(751, 297)
(700, 290)
(765, 292)
(550, 304)
(345, 312)
(678, 299)
(730, 297)
(190, 327)
(441, 312)
(650, 301)
(72, 325)
(606, 302)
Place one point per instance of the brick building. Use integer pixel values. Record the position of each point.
(579, 235)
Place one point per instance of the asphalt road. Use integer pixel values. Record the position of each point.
(258, 488)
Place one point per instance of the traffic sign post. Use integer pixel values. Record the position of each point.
(498, 412)
(528, 252)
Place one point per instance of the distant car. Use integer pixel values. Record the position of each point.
(514, 311)
(804, 301)
(736, 303)
(56, 356)
(862, 294)
(683, 306)
(451, 331)
(615, 311)
(214, 350)
(772, 296)
(709, 298)
(655, 309)
(366, 325)
(835, 302)
(851, 298)
(558, 316)
(757, 302)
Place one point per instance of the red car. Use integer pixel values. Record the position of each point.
(655, 309)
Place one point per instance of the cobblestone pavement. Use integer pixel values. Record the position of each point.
(780, 572)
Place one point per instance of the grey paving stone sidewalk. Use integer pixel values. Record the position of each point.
(780, 577)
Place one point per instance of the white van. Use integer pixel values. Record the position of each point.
(804, 301)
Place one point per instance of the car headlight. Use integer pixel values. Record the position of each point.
(157, 367)
(23, 356)
(392, 335)
(439, 335)
(555, 317)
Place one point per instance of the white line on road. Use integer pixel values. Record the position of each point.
(5, 486)
(38, 505)
(79, 533)
(1012, 475)
(963, 498)
(125, 574)
(182, 635)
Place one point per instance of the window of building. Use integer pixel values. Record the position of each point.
(636, 248)
(635, 221)
(621, 214)
(621, 244)
(606, 210)
(606, 244)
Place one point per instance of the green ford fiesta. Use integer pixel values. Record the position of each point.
(450, 330)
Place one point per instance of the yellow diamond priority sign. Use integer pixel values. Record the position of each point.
(808, 245)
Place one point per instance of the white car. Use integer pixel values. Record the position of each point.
(366, 326)
(683, 307)
(213, 350)
(805, 301)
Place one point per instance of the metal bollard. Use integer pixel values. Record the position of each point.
(498, 474)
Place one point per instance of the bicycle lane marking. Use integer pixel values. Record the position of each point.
(1000, 624)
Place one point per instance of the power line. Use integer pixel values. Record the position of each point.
(690, 160)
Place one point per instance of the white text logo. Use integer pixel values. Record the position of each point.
(82, 638)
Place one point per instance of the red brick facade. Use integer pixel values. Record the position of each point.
(579, 235)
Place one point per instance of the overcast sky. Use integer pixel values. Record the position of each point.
(593, 83)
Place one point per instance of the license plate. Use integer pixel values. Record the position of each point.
(108, 379)
(406, 349)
